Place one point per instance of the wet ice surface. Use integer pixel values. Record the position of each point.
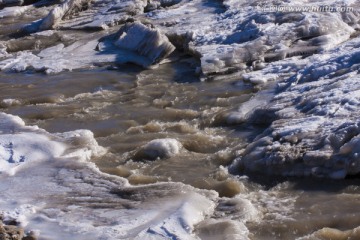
(280, 97)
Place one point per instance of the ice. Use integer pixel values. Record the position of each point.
(79, 50)
(238, 35)
(80, 14)
(13, 11)
(159, 148)
(316, 125)
(246, 110)
(145, 41)
(78, 55)
(307, 64)
(242, 34)
(155, 4)
(312, 55)
(89, 52)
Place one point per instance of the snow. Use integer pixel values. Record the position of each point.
(16, 149)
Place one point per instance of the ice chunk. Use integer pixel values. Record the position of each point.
(242, 34)
(159, 148)
(155, 4)
(9, 102)
(81, 14)
(144, 40)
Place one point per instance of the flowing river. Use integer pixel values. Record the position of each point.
(128, 107)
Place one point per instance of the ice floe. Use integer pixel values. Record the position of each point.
(159, 148)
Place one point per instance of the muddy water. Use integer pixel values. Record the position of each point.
(128, 107)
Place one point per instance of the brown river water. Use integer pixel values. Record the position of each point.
(128, 107)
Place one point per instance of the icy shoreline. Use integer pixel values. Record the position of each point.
(63, 196)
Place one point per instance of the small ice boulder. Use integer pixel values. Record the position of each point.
(145, 41)
(159, 148)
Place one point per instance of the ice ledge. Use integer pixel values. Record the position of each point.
(316, 127)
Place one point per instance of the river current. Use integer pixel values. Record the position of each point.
(126, 107)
